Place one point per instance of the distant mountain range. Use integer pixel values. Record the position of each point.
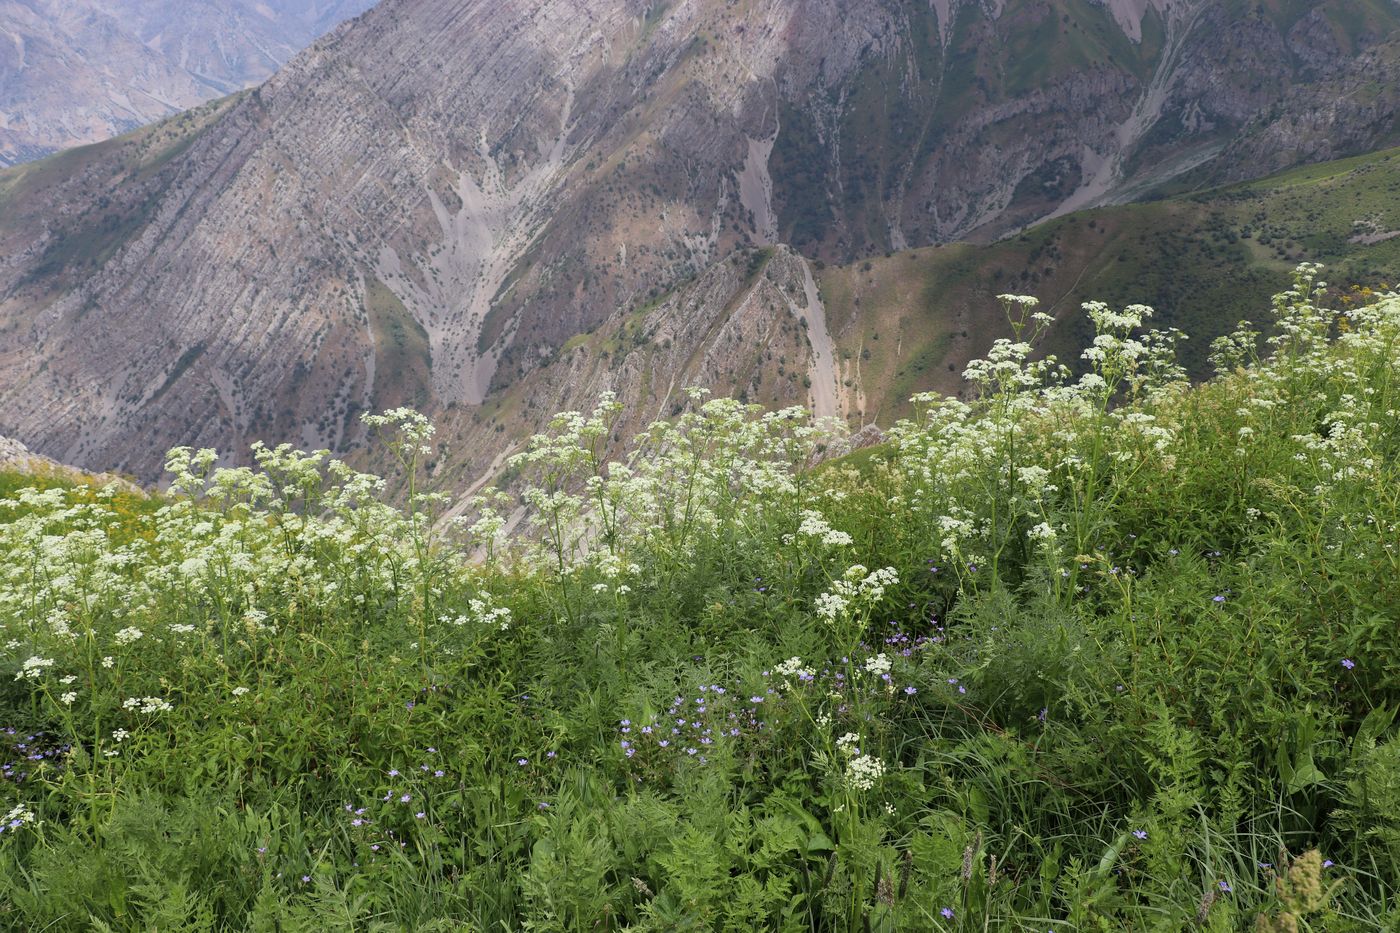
(494, 209)
(79, 71)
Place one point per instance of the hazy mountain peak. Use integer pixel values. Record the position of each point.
(78, 71)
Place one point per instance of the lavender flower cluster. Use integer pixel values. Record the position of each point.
(22, 754)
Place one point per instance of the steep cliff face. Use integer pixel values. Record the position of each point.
(1003, 114)
(438, 203)
(79, 71)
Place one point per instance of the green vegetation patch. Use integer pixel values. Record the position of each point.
(1110, 652)
(403, 355)
(1203, 262)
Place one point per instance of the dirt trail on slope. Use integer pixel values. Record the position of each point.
(826, 386)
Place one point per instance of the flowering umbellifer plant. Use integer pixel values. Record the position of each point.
(1088, 652)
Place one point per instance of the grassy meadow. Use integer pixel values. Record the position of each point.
(1104, 651)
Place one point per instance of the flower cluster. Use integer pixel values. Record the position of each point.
(879, 665)
(814, 525)
(17, 817)
(858, 589)
(147, 704)
(792, 667)
(26, 752)
(864, 772)
(33, 668)
(696, 727)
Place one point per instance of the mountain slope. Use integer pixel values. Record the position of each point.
(910, 322)
(897, 325)
(435, 202)
(79, 71)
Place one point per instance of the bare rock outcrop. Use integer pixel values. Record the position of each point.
(472, 206)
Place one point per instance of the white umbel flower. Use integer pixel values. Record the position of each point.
(877, 665)
(864, 772)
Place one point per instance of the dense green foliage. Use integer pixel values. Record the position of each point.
(1103, 654)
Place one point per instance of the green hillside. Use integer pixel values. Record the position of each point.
(83, 204)
(1203, 262)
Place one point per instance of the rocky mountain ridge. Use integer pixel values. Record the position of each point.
(439, 203)
(74, 72)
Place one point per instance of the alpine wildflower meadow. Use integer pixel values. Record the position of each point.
(1092, 648)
